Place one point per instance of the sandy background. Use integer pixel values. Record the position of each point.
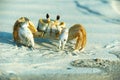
(101, 18)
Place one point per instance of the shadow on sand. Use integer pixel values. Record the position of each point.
(6, 37)
(104, 1)
(48, 43)
(85, 9)
(88, 11)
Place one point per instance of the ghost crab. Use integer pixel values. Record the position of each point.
(48, 28)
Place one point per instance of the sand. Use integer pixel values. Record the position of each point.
(99, 61)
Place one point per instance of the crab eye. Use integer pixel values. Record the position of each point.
(47, 16)
(58, 17)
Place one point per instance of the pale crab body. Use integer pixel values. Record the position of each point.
(49, 28)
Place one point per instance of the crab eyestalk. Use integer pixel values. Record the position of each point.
(48, 17)
(57, 20)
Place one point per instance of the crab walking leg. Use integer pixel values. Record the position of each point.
(78, 32)
(60, 44)
(63, 38)
(32, 43)
(31, 26)
(78, 42)
(84, 39)
(63, 44)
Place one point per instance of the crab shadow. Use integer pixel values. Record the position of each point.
(6, 37)
(48, 43)
(86, 9)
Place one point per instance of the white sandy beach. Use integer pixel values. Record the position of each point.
(101, 19)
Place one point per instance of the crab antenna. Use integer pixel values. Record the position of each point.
(58, 17)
